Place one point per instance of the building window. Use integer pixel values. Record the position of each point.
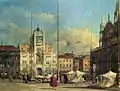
(24, 62)
(60, 65)
(54, 61)
(63, 65)
(85, 64)
(47, 62)
(67, 60)
(49, 51)
(24, 55)
(30, 61)
(69, 65)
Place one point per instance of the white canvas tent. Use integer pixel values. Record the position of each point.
(75, 72)
(109, 74)
(75, 76)
(78, 77)
(108, 79)
(79, 72)
(70, 75)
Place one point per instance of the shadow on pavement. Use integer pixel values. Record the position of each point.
(106, 89)
(113, 89)
(86, 88)
(46, 88)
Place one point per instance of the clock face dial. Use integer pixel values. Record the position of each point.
(39, 40)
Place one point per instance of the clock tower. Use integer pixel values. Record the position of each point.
(38, 47)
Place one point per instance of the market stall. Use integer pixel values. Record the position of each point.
(108, 79)
(75, 76)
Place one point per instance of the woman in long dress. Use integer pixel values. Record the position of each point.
(53, 81)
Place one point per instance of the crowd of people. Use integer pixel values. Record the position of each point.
(26, 78)
(11, 76)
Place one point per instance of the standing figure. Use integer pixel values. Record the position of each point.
(25, 78)
(66, 79)
(62, 79)
(53, 81)
(10, 77)
(28, 77)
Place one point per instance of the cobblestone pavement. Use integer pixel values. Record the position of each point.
(19, 86)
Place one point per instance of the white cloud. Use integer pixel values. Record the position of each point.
(77, 40)
(45, 17)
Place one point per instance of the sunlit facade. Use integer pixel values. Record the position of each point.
(37, 46)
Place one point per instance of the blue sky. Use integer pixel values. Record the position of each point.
(15, 16)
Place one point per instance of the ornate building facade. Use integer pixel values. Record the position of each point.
(66, 62)
(86, 64)
(48, 55)
(37, 52)
(9, 59)
(106, 57)
(25, 66)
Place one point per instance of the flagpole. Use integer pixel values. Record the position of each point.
(90, 38)
(31, 23)
(58, 41)
(31, 47)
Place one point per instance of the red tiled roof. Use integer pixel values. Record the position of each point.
(65, 56)
(8, 48)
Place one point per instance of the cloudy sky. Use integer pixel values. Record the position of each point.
(77, 19)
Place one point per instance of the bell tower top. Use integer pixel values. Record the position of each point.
(117, 11)
(102, 24)
(38, 30)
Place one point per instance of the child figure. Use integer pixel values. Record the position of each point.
(53, 81)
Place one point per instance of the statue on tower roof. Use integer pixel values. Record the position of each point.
(38, 29)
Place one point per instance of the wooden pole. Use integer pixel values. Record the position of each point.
(58, 42)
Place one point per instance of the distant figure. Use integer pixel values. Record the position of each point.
(25, 78)
(84, 76)
(17, 75)
(2, 75)
(53, 81)
(10, 77)
(28, 77)
(96, 80)
(62, 79)
(65, 79)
